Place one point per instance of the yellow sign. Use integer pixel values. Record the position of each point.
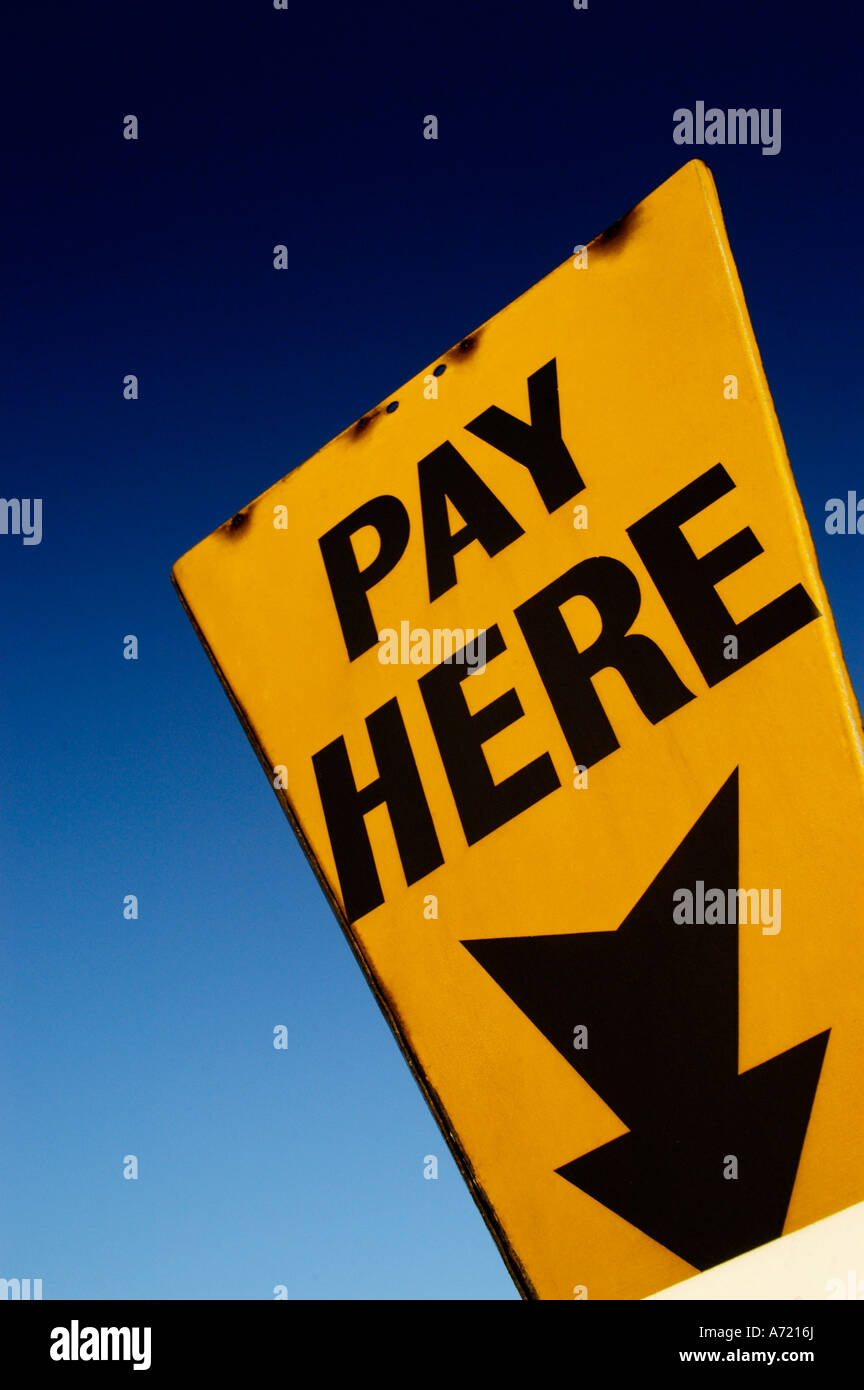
(539, 662)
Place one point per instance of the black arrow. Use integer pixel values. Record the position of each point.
(660, 1004)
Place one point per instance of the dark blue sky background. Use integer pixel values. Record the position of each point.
(154, 1037)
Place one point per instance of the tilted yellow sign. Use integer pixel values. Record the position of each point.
(538, 659)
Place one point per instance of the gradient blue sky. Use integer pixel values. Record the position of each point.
(154, 1037)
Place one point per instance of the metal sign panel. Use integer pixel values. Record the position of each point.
(539, 662)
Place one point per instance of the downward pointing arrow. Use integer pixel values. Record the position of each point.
(660, 1003)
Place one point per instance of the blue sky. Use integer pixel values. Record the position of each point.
(154, 1037)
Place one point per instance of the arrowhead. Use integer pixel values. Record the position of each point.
(670, 1182)
(660, 1003)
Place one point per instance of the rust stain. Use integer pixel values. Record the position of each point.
(361, 426)
(462, 350)
(618, 232)
(238, 523)
(467, 345)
